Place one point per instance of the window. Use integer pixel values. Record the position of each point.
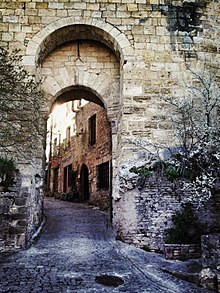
(92, 130)
(76, 105)
(103, 176)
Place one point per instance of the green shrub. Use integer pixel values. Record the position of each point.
(141, 171)
(186, 228)
(7, 173)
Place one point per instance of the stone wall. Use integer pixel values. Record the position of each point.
(14, 221)
(20, 219)
(182, 251)
(21, 210)
(147, 208)
(85, 62)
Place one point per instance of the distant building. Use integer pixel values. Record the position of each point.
(79, 153)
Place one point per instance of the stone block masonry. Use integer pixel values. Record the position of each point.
(148, 208)
(14, 221)
(182, 251)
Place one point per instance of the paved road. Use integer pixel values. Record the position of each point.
(77, 246)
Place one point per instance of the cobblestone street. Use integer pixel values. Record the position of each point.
(75, 247)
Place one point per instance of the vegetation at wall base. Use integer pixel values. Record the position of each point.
(186, 228)
(7, 173)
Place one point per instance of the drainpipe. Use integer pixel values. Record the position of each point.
(50, 155)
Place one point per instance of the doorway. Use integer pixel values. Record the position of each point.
(84, 183)
(67, 179)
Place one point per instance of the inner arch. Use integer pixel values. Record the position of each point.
(77, 93)
(79, 149)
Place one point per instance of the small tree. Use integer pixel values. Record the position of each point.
(19, 103)
(186, 228)
(7, 173)
(196, 124)
(193, 160)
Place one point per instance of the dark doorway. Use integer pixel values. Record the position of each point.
(67, 179)
(84, 183)
(55, 179)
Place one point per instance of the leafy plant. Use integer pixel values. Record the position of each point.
(186, 227)
(7, 172)
(173, 172)
(141, 171)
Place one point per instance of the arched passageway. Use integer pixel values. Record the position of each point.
(84, 70)
(79, 149)
(104, 80)
(93, 61)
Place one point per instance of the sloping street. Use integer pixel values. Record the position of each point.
(76, 247)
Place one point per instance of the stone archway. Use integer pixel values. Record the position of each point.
(80, 28)
(95, 76)
(109, 90)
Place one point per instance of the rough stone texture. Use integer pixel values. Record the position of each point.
(21, 211)
(147, 207)
(218, 279)
(211, 251)
(153, 40)
(14, 221)
(208, 279)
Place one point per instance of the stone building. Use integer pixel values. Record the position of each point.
(79, 165)
(122, 55)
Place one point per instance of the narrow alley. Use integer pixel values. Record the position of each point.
(77, 252)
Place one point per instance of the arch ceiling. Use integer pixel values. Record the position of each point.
(71, 28)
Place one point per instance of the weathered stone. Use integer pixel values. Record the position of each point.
(20, 201)
(156, 200)
(211, 250)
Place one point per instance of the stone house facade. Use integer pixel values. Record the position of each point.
(80, 163)
(120, 54)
